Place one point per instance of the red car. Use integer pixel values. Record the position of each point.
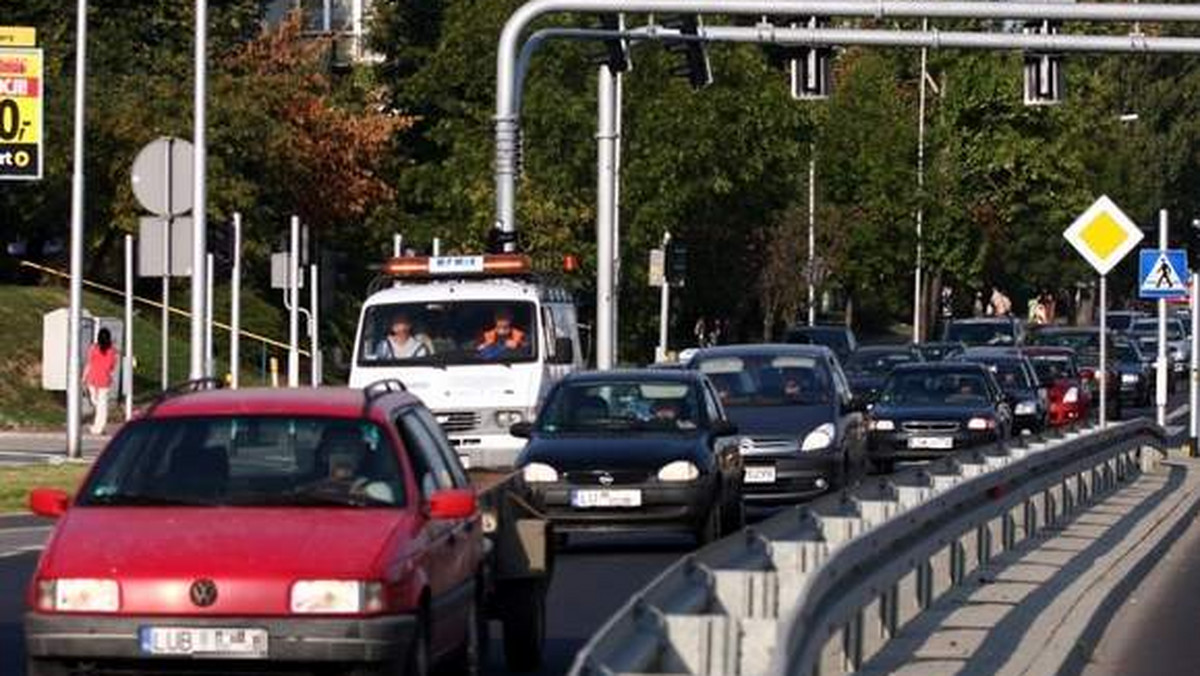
(1068, 390)
(327, 531)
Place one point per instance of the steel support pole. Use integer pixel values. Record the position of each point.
(1102, 372)
(1163, 373)
(210, 366)
(75, 311)
(235, 305)
(605, 136)
(397, 245)
(199, 194)
(127, 348)
(437, 246)
(618, 93)
(918, 281)
(1194, 371)
(314, 300)
(664, 308)
(293, 296)
(812, 233)
(165, 345)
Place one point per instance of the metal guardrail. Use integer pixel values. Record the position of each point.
(822, 587)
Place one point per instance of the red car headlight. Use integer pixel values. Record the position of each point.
(79, 595)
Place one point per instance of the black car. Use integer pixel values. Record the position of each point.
(868, 368)
(803, 431)
(926, 411)
(840, 339)
(940, 350)
(1018, 378)
(634, 450)
(985, 331)
(1136, 372)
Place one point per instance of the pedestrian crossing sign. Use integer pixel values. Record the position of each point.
(1163, 273)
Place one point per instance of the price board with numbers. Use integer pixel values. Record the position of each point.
(21, 107)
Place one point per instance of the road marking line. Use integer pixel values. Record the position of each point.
(25, 529)
(13, 553)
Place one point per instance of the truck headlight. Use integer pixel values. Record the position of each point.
(539, 473)
(679, 471)
(820, 438)
(336, 597)
(506, 419)
(79, 595)
(1026, 408)
(883, 425)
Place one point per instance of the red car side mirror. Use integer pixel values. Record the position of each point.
(452, 504)
(48, 502)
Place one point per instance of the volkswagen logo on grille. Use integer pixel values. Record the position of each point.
(203, 593)
(605, 479)
(746, 444)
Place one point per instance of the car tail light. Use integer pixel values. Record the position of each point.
(79, 595)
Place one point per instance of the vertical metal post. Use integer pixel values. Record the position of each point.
(812, 232)
(618, 88)
(293, 295)
(918, 281)
(1194, 370)
(210, 366)
(127, 348)
(165, 344)
(314, 300)
(75, 313)
(1163, 373)
(199, 188)
(1102, 372)
(437, 246)
(664, 309)
(606, 131)
(235, 305)
(397, 245)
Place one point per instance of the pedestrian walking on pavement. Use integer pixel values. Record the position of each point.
(98, 377)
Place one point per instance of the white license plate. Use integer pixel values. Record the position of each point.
(938, 443)
(759, 475)
(622, 497)
(204, 642)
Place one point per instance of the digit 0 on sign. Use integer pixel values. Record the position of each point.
(10, 120)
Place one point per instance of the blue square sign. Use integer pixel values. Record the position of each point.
(1163, 273)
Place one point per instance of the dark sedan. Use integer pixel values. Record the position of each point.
(634, 450)
(803, 431)
(1019, 380)
(868, 368)
(929, 410)
(840, 339)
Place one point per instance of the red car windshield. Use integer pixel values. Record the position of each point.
(248, 461)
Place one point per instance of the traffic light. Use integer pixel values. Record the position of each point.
(811, 70)
(696, 66)
(1045, 83)
(676, 268)
(616, 51)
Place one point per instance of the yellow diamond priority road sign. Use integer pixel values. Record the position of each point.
(1103, 235)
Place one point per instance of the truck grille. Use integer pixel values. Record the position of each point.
(930, 426)
(457, 421)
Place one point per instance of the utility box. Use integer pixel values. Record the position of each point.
(55, 325)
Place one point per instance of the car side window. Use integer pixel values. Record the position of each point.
(443, 447)
(711, 406)
(840, 383)
(433, 473)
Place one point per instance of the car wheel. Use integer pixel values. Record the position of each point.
(46, 668)
(710, 530)
(524, 626)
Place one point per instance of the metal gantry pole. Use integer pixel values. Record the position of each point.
(75, 312)
(1102, 372)
(1163, 373)
(199, 190)
(605, 136)
(314, 300)
(293, 296)
(812, 233)
(127, 348)
(235, 305)
(918, 281)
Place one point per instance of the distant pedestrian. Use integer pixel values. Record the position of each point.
(98, 377)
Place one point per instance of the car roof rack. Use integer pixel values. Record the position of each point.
(381, 388)
(180, 389)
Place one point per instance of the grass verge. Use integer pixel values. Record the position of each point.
(17, 481)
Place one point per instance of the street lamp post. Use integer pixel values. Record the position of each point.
(199, 204)
(812, 233)
(75, 313)
(918, 281)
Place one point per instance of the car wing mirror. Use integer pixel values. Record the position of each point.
(521, 430)
(452, 504)
(48, 502)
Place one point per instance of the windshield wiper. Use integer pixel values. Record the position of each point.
(145, 500)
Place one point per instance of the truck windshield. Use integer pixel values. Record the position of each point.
(247, 461)
(448, 333)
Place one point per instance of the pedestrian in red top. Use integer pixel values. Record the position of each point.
(98, 376)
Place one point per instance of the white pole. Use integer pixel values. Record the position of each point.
(165, 338)
(664, 304)
(293, 293)
(1194, 379)
(1164, 373)
(314, 301)
(199, 190)
(618, 90)
(75, 313)
(1102, 372)
(210, 366)
(397, 245)
(127, 349)
(605, 340)
(437, 246)
(918, 282)
(235, 304)
(812, 232)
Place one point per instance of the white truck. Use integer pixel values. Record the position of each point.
(479, 339)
